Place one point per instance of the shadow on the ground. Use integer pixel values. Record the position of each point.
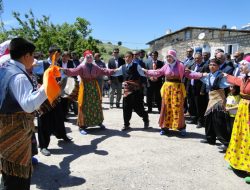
(53, 178)
(191, 135)
(60, 177)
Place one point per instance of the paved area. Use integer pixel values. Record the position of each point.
(139, 159)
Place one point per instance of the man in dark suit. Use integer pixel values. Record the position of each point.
(154, 84)
(115, 82)
(225, 67)
(198, 97)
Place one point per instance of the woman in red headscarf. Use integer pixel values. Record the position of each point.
(89, 99)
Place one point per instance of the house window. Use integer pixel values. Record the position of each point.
(231, 48)
(187, 35)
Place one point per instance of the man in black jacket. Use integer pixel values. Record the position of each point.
(115, 82)
(154, 84)
(198, 97)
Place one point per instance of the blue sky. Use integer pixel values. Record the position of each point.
(134, 22)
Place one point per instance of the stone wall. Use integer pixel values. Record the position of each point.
(227, 40)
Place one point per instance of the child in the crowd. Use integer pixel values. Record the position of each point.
(233, 100)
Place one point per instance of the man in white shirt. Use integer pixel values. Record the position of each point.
(18, 99)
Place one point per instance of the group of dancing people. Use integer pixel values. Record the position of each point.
(20, 97)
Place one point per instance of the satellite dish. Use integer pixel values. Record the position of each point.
(201, 36)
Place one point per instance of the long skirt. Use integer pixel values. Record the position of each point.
(172, 112)
(238, 152)
(90, 106)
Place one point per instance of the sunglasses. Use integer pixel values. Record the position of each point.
(213, 65)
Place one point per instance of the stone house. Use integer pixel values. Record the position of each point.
(202, 38)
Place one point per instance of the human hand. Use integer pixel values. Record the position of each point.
(204, 74)
(224, 74)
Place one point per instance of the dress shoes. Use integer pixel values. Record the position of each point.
(191, 122)
(125, 128)
(45, 152)
(222, 147)
(102, 126)
(67, 138)
(198, 126)
(207, 142)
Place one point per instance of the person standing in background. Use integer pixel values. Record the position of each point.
(115, 82)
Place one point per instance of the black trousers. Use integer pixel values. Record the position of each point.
(65, 106)
(216, 127)
(51, 122)
(230, 123)
(134, 102)
(154, 91)
(9, 182)
(199, 106)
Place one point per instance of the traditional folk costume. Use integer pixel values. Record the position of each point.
(133, 93)
(90, 98)
(173, 93)
(238, 152)
(215, 120)
(17, 100)
(51, 118)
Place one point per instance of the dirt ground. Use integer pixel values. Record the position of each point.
(138, 159)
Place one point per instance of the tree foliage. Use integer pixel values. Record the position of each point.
(43, 33)
(119, 43)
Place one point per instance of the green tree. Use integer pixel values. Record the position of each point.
(119, 43)
(71, 37)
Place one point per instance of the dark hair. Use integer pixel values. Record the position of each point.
(220, 50)
(155, 53)
(20, 47)
(65, 53)
(115, 49)
(216, 61)
(54, 48)
(129, 53)
(236, 90)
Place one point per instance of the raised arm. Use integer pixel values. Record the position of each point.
(104, 71)
(74, 71)
(165, 70)
(234, 80)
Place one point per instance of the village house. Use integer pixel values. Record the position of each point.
(202, 39)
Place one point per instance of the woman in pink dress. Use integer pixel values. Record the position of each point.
(89, 99)
(172, 93)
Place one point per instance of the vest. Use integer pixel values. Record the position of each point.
(216, 83)
(8, 102)
(131, 73)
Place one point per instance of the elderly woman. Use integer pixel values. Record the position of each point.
(172, 93)
(89, 99)
(238, 152)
